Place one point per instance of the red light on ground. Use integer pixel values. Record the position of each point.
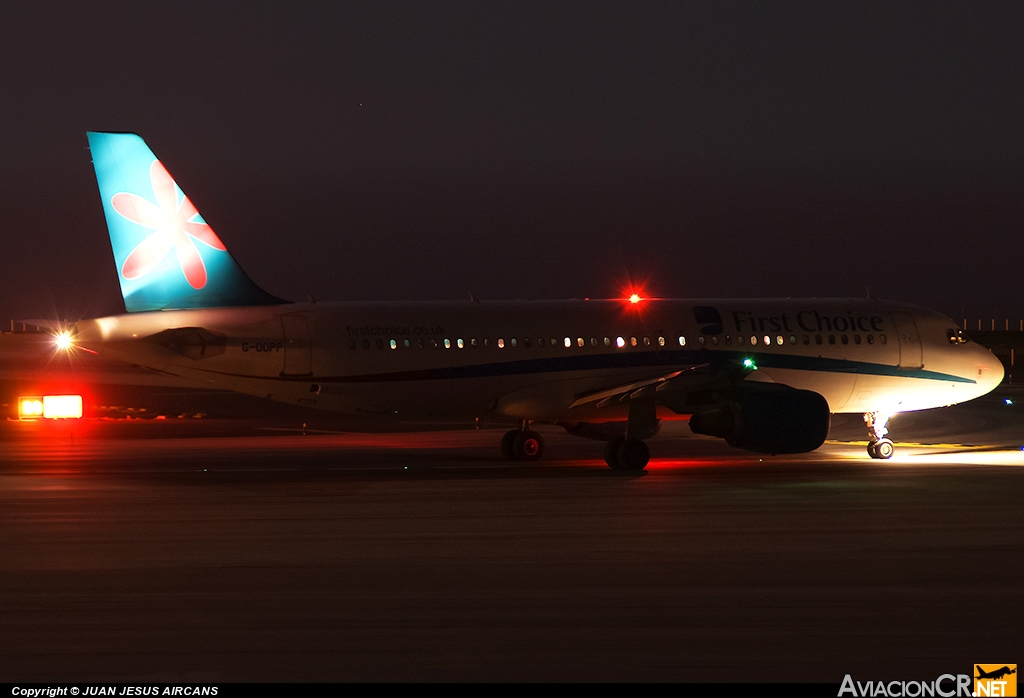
(62, 407)
(50, 407)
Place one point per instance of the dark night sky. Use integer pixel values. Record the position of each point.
(423, 150)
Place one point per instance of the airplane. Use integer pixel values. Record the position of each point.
(994, 674)
(764, 375)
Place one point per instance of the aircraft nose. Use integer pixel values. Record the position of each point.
(991, 371)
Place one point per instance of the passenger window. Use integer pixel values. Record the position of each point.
(501, 343)
(620, 342)
(845, 339)
(831, 339)
(882, 339)
(632, 341)
(701, 340)
(472, 343)
(593, 341)
(682, 341)
(447, 343)
(870, 338)
(406, 343)
(856, 339)
(526, 342)
(728, 341)
(714, 340)
(580, 342)
(806, 340)
(767, 340)
(792, 339)
(647, 341)
(487, 341)
(540, 341)
(607, 341)
(459, 343)
(366, 344)
(394, 344)
(778, 339)
(380, 343)
(817, 339)
(512, 342)
(419, 343)
(351, 344)
(661, 341)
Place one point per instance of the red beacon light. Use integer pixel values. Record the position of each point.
(635, 298)
(50, 407)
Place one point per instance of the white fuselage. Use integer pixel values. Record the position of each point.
(534, 359)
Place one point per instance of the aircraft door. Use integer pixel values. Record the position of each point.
(297, 355)
(910, 340)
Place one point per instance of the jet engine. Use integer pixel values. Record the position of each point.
(777, 420)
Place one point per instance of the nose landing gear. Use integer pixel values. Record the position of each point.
(878, 445)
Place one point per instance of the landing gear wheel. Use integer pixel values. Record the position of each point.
(507, 450)
(528, 445)
(611, 452)
(633, 454)
(881, 449)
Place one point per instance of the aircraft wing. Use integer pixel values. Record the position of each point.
(649, 387)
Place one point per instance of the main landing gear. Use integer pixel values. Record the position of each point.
(623, 453)
(522, 444)
(878, 445)
(628, 452)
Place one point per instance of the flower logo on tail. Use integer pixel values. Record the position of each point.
(173, 228)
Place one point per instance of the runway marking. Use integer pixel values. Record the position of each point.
(908, 444)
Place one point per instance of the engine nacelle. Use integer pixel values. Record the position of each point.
(783, 420)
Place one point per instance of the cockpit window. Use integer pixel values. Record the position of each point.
(957, 337)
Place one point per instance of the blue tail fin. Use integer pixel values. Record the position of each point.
(167, 256)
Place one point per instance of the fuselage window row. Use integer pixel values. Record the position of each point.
(621, 342)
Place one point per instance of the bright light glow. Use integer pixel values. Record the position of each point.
(749, 363)
(62, 407)
(620, 342)
(635, 298)
(63, 341)
(50, 407)
(1008, 401)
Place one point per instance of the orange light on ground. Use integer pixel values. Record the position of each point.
(30, 407)
(62, 407)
